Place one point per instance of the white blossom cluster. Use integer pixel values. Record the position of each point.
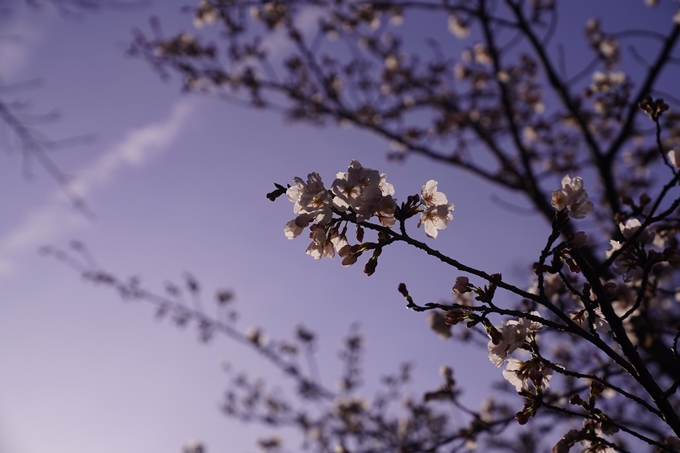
(363, 192)
(513, 335)
(437, 212)
(626, 262)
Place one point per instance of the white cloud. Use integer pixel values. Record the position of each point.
(134, 151)
(57, 217)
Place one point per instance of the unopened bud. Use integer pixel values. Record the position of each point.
(462, 285)
(576, 400)
(360, 233)
(351, 259)
(596, 387)
(522, 418)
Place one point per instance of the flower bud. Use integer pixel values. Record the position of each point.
(596, 388)
(351, 259)
(576, 400)
(371, 265)
(522, 418)
(462, 285)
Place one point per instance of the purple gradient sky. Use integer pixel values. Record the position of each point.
(177, 184)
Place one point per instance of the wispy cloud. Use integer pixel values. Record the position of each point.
(57, 217)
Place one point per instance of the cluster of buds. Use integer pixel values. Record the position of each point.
(653, 107)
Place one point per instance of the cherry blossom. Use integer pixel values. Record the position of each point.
(567, 441)
(674, 157)
(573, 198)
(435, 217)
(582, 318)
(340, 243)
(295, 227)
(311, 203)
(514, 333)
(361, 190)
(321, 246)
(522, 374)
(431, 196)
(626, 263)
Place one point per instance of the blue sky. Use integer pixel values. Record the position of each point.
(177, 184)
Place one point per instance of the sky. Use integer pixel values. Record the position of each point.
(176, 183)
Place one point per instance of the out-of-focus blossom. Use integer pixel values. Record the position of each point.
(193, 447)
(569, 439)
(462, 285)
(573, 198)
(626, 263)
(205, 14)
(674, 157)
(582, 318)
(437, 322)
(604, 82)
(459, 29)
